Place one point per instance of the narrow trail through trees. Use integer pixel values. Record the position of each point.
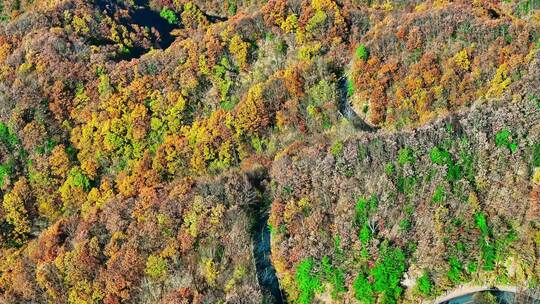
(481, 294)
(345, 108)
(266, 274)
(261, 237)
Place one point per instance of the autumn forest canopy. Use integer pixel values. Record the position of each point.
(280, 151)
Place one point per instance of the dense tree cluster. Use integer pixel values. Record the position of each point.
(440, 58)
(419, 205)
(184, 242)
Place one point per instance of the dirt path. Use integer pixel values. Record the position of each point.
(467, 289)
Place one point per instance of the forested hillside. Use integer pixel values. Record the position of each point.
(281, 151)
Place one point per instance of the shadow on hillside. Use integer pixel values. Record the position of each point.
(143, 16)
